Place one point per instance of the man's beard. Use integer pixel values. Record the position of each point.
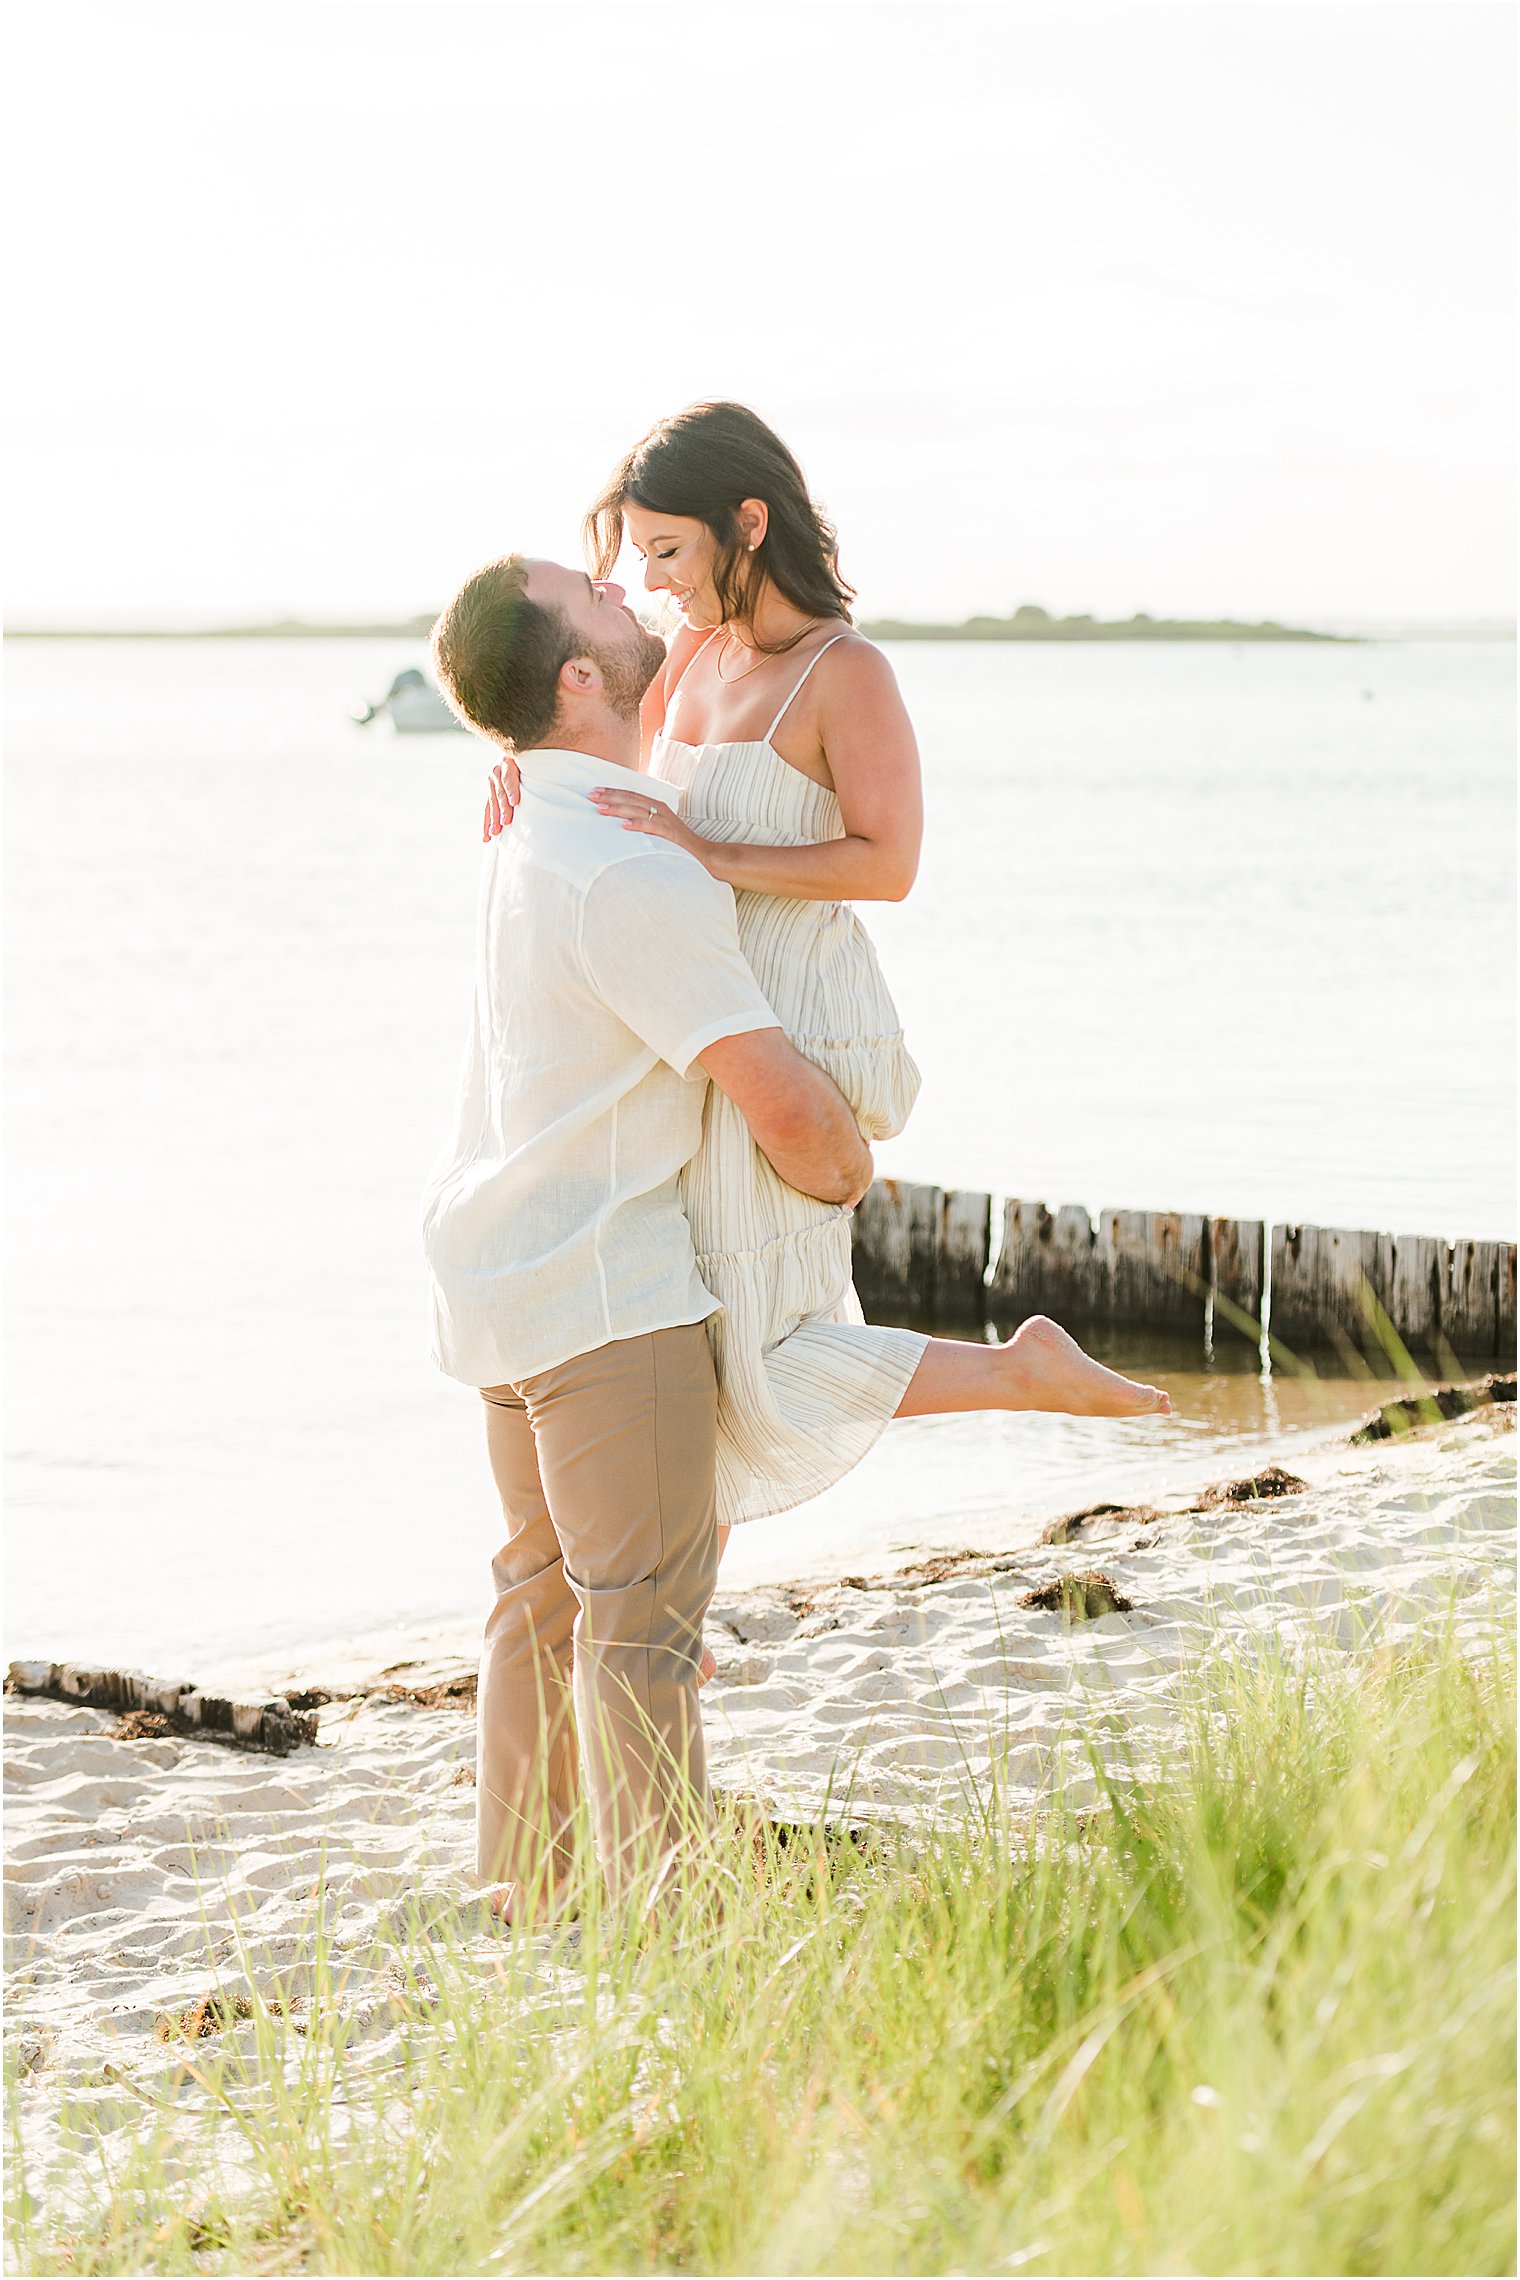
(627, 668)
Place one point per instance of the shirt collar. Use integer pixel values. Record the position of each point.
(582, 772)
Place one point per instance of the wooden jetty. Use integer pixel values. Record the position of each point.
(929, 1253)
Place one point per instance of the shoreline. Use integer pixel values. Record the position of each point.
(345, 1660)
(153, 1876)
(281, 1711)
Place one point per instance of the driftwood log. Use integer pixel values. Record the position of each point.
(926, 1252)
(271, 1725)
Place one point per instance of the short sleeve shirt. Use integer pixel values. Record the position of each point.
(607, 963)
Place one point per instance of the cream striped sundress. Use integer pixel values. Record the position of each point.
(805, 1384)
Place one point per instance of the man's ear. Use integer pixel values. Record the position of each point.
(754, 518)
(579, 677)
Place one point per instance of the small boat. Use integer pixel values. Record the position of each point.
(415, 707)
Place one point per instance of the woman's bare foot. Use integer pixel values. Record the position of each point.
(1048, 1370)
(708, 1667)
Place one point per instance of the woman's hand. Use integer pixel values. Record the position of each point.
(656, 821)
(502, 795)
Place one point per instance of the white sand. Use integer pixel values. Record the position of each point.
(897, 1695)
(141, 1874)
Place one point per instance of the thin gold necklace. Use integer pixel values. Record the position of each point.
(729, 679)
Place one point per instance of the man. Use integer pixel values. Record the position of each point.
(610, 989)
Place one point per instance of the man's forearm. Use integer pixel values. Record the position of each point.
(801, 1122)
(823, 1154)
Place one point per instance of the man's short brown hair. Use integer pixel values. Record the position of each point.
(498, 655)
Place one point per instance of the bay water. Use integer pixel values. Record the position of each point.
(1198, 927)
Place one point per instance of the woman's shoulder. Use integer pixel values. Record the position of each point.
(848, 665)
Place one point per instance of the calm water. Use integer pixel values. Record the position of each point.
(1199, 928)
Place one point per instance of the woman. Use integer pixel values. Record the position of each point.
(784, 730)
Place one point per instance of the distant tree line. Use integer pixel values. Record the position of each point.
(1031, 623)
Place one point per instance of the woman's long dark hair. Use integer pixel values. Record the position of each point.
(702, 464)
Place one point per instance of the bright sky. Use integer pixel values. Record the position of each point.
(1197, 308)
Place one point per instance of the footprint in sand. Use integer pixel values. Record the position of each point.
(1007, 1672)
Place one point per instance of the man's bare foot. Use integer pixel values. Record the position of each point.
(507, 1908)
(1049, 1370)
(708, 1667)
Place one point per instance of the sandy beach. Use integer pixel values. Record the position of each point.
(147, 1875)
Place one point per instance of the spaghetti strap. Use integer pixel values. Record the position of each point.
(770, 734)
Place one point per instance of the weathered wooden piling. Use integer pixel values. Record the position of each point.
(1353, 1287)
(1160, 1271)
(923, 1249)
(1050, 1263)
(1319, 1276)
(963, 1253)
(1409, 1280)
(922, 1252)
(1480, 1298)
(1237, 1265)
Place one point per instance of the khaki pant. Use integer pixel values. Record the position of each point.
(605, 1466)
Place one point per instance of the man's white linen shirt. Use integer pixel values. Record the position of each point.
(607, 962)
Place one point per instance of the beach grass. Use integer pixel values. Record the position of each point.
(1250, 2013)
